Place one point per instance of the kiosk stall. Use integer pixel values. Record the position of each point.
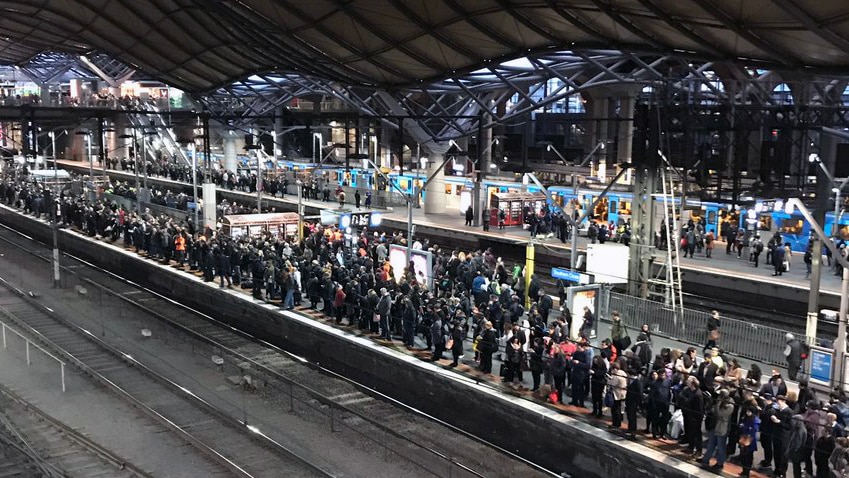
(514, 205)
(283, 224)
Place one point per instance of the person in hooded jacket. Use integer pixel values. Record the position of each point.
(748, 433)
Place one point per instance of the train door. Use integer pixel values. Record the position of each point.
(613, 209)
(353, 173)
(712, 219)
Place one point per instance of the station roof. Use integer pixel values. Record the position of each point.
(200, 45)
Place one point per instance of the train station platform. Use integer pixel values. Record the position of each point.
(464, 397)
(435, 387)
(723, 277)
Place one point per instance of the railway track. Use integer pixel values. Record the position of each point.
(431, 447)
(220, 436)
(62, 450)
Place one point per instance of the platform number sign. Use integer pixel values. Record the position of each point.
(361, 219)
(357, 219)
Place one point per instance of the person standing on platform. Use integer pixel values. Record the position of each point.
(778, 253)
(718, 436)
(633, 398)
(368, 200)
(485, 219)
(470, 215)
(579, 373)
(709, 239)
(783, 422)
(757, 247)
(730, 235)
(617, 385)
(589, 321)
(357, 199)
(794, 351)
(713, 332)
(341, 198)
(501, 217)
(808, 259)
(487, 345)
(748, 439)
(384, 307)
(619, 332)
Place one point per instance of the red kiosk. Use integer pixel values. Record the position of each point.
(513, 205)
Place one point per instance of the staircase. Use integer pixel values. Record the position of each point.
(153, 120)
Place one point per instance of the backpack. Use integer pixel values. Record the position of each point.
(760, 247)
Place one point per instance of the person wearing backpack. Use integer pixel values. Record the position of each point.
(795, 351)
(619, 332)
(757, 249)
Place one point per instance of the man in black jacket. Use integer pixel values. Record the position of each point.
(781, 436)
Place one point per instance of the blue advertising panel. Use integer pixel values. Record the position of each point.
(821, 364)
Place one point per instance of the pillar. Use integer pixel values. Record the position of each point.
(435, 189)
(278, 125)
(76, 88)
(828, 156)
(625, 136)
(385, 145)
(643, 227)
(599, 112)
(230, 160)
(485, 145)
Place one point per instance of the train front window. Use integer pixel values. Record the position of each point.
(791, 225)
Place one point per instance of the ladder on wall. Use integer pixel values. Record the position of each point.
(666, 284)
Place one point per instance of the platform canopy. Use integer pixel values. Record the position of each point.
(201, 45)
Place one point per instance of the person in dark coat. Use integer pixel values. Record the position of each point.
(691, 402)
(783, 422)
(598, 379)
(579, 374)
(658, 407)
(633, 398)
(437, 337)
(458, 333)
(384, 308)
(487, 345)
(470, 215)
(357, 199)
(408, 321)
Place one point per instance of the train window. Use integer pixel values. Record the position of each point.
(459, 189)
(448, 188)
(765, 222)
(843, 232)
(791, 225)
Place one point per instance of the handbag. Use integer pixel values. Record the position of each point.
(552, 396)
(449, 345)
(786, 266)
(609, 399)
(744, 441)
(376, 318)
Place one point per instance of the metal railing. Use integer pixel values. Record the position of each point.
(4, 327)
(741, 338)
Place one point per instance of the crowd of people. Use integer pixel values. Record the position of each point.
(474, 306)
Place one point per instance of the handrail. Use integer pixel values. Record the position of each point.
(28, 340)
